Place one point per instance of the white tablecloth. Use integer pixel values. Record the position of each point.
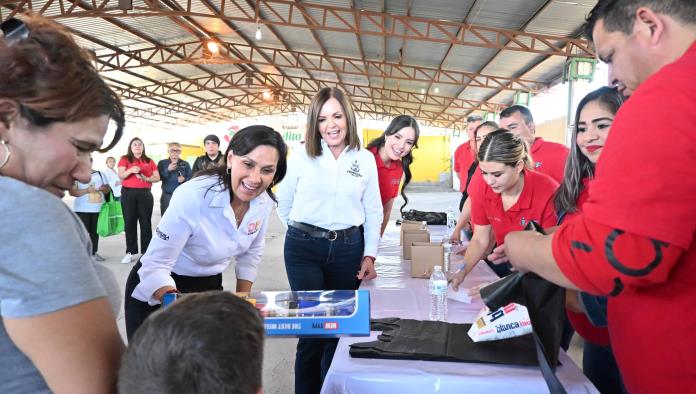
(395, 294)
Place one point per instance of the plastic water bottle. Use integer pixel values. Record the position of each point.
(451, 222)
(447, 246)
(438, 295)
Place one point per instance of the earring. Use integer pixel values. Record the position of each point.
(7, 153)
(229, 171)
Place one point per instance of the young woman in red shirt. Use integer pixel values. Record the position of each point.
(513, 195)
(392, 152)
(587, 313)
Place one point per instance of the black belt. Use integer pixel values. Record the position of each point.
(318, 232)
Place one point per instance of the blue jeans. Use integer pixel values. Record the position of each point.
(319, 264)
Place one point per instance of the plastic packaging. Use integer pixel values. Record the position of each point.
(438, 294)
(509, 321)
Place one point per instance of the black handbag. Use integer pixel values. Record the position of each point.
(545, 303)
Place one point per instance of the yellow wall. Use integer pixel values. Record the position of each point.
(431, 159)
(553, 130)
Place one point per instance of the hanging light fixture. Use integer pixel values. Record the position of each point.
(213, 47)
(258, 32)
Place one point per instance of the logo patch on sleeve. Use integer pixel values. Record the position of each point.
(161, 234)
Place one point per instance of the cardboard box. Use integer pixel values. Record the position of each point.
(409, 225)
(425, 256)
(411, 236)
(309, 314)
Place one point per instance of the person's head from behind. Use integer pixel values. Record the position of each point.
(174, 150)
(51, 101)
(518, 120)
(211, 144)
(472, 122)
(397, 143)
(502, 159)
(203, 343)
(593, 120)
(638, 37)
(256, 161)
(330, 119)
(482, 131)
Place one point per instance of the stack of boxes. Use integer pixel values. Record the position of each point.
(416, 246)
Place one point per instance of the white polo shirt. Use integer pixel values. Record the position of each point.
(82, 204)
(334, 194)
(197, 236)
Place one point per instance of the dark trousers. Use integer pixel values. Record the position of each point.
(319, 264)
(137, 208)
(164, 202)
(137, 311)
(90, 220)
(599, 365)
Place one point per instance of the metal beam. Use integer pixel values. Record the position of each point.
(337, 19)
(233, 53)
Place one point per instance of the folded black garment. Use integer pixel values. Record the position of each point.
(407, 339)
(432, 218)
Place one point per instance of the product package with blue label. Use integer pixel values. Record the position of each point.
(306, 314)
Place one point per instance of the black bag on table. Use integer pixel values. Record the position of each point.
(434, 218)
(407, 339)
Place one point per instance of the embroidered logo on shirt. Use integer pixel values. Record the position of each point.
(162, 235)
(253, 227)
(355, 169)
(523, 222)
(538, 164)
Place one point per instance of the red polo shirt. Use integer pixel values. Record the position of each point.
(641, 208)
(534, 203)
(549, 158)
(463, 158)
(132, 181)
(580, 322)
(389, 177)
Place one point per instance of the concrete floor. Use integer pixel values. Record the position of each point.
(279, 357)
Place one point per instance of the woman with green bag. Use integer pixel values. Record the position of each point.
(89, 198)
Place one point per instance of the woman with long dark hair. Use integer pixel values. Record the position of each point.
(137, 172)
(393, 156)
(58, 328)
(593, 120)
(220, 214)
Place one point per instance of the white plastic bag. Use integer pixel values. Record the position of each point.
(509, 321)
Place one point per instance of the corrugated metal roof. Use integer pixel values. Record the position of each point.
(555, 18)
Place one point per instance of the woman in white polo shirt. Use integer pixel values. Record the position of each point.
(220, 214)
(331, 190)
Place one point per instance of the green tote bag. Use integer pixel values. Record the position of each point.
(110, 218)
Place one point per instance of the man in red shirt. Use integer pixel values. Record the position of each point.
(635, 240)
(549, 157)
(465, 155)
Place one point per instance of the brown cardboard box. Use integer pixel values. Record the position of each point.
(407, 225)
(424, 256)
(411, 236)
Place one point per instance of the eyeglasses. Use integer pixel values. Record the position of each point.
(175, 150)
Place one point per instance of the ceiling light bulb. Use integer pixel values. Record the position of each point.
(266, 95)
(423, 91)
(437, 90)
(258, 32)
(213, 47)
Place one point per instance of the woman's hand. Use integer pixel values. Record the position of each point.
(498, 255)
(159, 294)
(458, 278)
(135, 170)
(367, 268)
